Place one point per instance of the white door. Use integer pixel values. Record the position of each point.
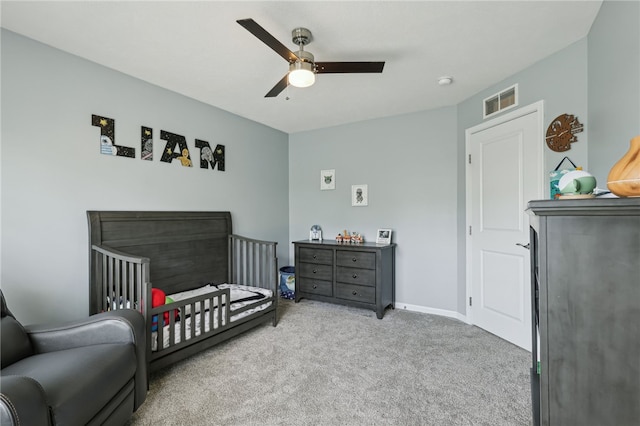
(504, 172)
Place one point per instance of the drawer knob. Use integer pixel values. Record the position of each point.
(354, 276)
(354, 260)
(315, 270)
(315, 286)
(315, 257)
(355, 293)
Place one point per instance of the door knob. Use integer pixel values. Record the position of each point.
(523, 245)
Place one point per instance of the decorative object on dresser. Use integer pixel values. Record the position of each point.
(585, 276)
(556, 174)
(384, 236)
(315, 234)
(353, 238)
(360, 275)
(624, 177)
(577, 184)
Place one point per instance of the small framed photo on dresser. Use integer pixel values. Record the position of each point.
(383, 236)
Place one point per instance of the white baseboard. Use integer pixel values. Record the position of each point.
(433, 311)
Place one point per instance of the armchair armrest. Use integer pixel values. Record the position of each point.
(22, 402)
(121, 326)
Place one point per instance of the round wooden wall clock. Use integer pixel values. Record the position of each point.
(561, 133)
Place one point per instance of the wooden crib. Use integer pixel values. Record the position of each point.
(221, 284)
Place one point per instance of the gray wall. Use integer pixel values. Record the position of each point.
(597, 79)
(614, 84)
(414, 164)
(573, 81)
(578, 80)
(52, 170)
(560, 80)
(409, 165)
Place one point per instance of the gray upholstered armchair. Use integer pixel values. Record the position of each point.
(91, 371)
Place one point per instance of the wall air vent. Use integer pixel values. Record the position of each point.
(506, 99)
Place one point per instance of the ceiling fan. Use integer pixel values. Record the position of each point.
(302, 67)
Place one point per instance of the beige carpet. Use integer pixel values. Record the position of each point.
(332, 365)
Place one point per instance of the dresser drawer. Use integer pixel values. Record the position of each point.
(356, 276)
(356, 259)
(317, 272)
(314, 255)
(356, 293)
(306, 285)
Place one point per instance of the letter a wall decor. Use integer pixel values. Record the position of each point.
(170, 149)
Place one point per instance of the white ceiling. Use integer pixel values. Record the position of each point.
(197, 49)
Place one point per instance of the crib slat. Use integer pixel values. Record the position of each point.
(138, 277)
(172, 323)
(130, 282)
(227, 308)
(255, 256)
(212, 305)
(104, 295)
(219, 311)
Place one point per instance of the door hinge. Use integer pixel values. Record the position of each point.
(469, 158)
(470, 301)
(469, 229)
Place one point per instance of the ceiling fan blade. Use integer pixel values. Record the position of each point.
(279, 87)
(348, 67)
(254, 28)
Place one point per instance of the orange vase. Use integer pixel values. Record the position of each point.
(624, 177)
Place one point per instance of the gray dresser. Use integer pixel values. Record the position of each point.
(361, 275)
(586, 310)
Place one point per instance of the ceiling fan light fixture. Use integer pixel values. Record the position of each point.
(302, 65)
(301, 74)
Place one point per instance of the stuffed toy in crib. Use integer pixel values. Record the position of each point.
(159, 298)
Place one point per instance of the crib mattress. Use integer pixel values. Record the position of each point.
(240, 295)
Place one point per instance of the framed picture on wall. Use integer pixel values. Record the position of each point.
(327, 179)
(383, 236)
(359, 195)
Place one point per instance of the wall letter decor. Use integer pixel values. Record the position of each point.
(208, 156)
(108, 137)
(175, 148)
(169, 150)
(146, 143)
